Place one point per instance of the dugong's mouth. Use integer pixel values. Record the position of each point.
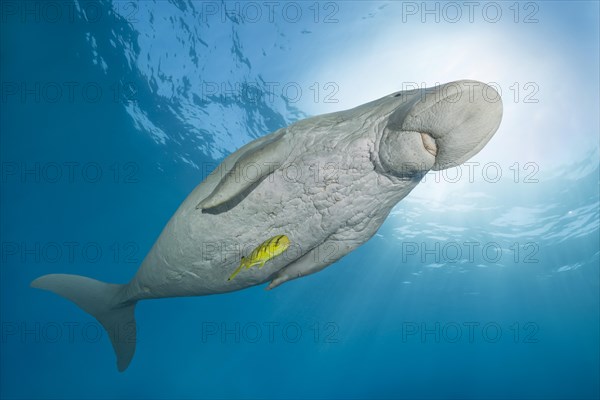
(406, 154)
(429, 144)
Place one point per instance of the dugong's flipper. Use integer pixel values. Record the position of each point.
(103, 301)
(315, 260)
(264, 158)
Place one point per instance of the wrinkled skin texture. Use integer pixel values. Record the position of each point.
(327, 182)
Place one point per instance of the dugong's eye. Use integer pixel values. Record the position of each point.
(398, 95)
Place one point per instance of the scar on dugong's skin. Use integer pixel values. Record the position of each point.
(349, 170)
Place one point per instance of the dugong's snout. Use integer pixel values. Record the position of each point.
(438, 128)
(460, 117)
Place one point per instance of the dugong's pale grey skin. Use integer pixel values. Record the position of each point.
(327, 182)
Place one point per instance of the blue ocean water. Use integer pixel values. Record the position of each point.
(482, 283)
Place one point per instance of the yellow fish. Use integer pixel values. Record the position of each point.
(267, 250)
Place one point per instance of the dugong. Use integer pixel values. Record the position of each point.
(327, 183)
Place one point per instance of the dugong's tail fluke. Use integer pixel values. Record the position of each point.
(104, 302)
